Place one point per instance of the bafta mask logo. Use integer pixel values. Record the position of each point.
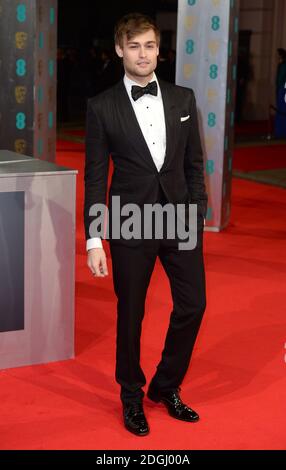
(213, 47)
(20, 94)
(40, 121)
(40, 67)
(20, 146)
(51, 94)
(50, 146)
(210, 142)
(190, 22)
(40, 13)
(212, 95)
(21, 39)
(52, 41)
(188, 70)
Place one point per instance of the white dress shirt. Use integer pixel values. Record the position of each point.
(149, 111)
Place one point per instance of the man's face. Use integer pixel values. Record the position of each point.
(139, 54)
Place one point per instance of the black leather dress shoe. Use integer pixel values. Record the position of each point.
(176, 408)
(134, 419)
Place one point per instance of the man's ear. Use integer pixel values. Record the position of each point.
(119, 51)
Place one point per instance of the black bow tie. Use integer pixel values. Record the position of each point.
(138, 91)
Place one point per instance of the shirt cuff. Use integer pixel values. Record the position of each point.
(93, 243)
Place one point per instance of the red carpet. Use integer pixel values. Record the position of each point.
(253, 127)
(259, 158)
(237, 380)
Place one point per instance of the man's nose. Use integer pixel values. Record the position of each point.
(142, 52)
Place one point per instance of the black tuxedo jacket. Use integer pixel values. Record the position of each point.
(113, 130)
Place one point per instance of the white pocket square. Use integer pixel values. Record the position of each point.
(184, 118)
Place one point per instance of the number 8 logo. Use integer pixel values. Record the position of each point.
(211, 119)
(190, 46)
(21, 67)
(210, 167)
(213, 71)
(215, 23)
(21, 121)
(21, 13)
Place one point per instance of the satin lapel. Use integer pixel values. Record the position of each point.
(172, 120)
(131, 127)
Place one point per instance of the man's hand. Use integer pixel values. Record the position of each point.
(96, 261)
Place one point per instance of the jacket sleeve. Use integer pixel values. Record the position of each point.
(194, 164)
(96, 164)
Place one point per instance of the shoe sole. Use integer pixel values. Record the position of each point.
(136, 434)
(182, 419)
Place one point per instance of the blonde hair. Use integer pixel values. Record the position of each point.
(133, 24)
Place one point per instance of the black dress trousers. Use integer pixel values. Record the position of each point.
(132, 269)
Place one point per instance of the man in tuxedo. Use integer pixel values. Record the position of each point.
(150, 129)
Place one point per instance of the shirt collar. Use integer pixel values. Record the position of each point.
(129, 83)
